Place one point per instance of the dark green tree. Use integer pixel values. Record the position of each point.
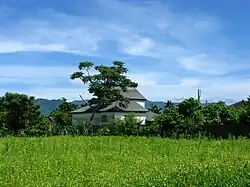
(18, 112)
(168, 104)
(169, 122)
(220, 114)
(3, 125)
(191, 110)
(244, 117)
(43, 128)
(155, 109)
(189, 106)
(61, 117)
(222, 120)
(245, 111)
(129, 126)
(106, 85)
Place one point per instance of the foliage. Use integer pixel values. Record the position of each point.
(62, 118)
(189, 106)
(105, 85)
(169, 121)
(155, 109)
(43, 128)
(18, 112)
(245, 112)
(83, 128)
(123, 161)
(220, 114)
(129, 126)
(20, 116)
(194, 120)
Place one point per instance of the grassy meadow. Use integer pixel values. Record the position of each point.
(123, 161)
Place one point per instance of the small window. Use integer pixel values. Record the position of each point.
(104, 119)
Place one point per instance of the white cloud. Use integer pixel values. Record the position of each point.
(34, 71)
(14, 46)
(35, 76)
(57, 93)
(205, 64)
(54, 31)
(190, 82)
(140, 46)
(44, 84)
(221, 90)
(195, 42)
(146, 78)
(52, 93)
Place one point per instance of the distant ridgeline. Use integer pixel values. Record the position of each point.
(46, 106)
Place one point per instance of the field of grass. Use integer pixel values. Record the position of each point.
(123, 161)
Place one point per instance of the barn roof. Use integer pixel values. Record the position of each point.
(133, 94)
(132, 106)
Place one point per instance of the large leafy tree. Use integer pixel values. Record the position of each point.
(105, 85)
(220, 114)
(18, 112)
(62, 118)
(193, 117)
(245, 112)
(169, 122)
(188, 106)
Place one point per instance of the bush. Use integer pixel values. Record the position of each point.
(43, 128)
(129, 126)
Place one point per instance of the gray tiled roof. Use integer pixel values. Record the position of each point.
(132, 106)
(81, 110)
(133, 94)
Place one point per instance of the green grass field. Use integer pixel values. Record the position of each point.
(123, 161)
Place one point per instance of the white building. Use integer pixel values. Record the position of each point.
(104, 116)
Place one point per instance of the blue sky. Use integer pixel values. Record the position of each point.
(171, 48)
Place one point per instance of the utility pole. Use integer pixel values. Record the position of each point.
(199, 95)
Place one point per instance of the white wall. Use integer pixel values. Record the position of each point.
(142, 103)
(96, 120)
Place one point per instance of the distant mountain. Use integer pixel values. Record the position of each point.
(159, 104)
(46, 106)
(237, 104)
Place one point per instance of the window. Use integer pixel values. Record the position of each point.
(104, 119)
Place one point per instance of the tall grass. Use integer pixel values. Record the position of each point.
(123, 161)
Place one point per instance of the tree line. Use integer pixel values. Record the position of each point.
(20, 116)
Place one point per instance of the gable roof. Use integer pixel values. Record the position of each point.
(81, 110)
(133, 94)
(132, 106)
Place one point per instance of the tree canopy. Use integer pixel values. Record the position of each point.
(18, 111)
(105, 84)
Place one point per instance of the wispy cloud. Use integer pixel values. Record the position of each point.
(194, 43)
